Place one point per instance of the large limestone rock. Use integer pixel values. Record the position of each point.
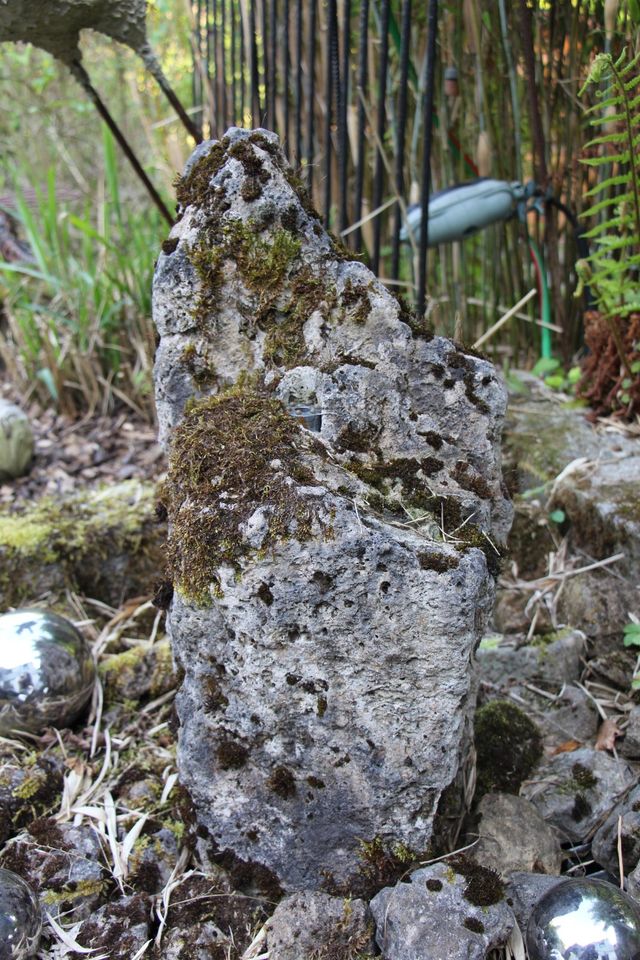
(330, 586)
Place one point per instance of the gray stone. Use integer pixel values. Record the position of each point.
(571, 716)
(314, 926)
(16, 441)
(554, 659)
(573, 791)
(600, 500)
(432, 918)
(621, 826)
(326, 646)
(121, 927)
(629, 745)
(513, 836)
(63, 865)
(524, 890)
(207, 920)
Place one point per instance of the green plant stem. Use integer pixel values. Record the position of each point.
(629, 130)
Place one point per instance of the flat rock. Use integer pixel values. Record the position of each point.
(315, 926)
(524, 890)
(553, 659)
(432, 917)
(629, 745)
(62, 864)
(622, 826)
(122, 927)
(324, 641)
(574, 791)
(513, 836)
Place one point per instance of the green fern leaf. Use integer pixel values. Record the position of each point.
(602, 205)
(611, 158)
(619, 180)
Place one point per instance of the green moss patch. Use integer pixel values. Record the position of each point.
(222, 468)
(508, 746)
(75, 540)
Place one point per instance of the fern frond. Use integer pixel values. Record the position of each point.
(604, 102)
(610, 158)
(618, 180)
(605, 227)
(623, 71)
(603, 204)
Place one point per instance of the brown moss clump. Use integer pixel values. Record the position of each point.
(470, 479)
(484, 887)
(284, 343)
(221, 469)
(508, 746)
(440, 562)
(196, 185)
(282, 782)
(457, 361)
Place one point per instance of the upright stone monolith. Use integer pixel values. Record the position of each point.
(333, 573)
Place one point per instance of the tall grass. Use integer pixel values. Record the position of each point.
(79, 331)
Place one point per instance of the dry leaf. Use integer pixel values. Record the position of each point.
(567, 747)
(607, 734)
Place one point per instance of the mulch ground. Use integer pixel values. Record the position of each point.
(75, 454)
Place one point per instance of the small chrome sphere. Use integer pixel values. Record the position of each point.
(46, 672)
(20, 918)
(584, 920)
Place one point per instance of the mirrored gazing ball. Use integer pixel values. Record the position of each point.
(584, 919)
(20, 918)
(46, 672)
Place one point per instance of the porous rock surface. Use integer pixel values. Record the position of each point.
(513, 836)
(314, 926)
(330, 586)
(442, 914)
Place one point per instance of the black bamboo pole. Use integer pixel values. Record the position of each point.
(432, 24)
(362, 92)
(256, 109)
(330, 89)
(223, 64)
(298, 88)
(286, 70)
(401, 128)
(378, 178)
(233, 39)
(311, 95)
(265, 119)
(272, 71)
(343, 136)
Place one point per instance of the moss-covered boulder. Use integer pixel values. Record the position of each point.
(107, 543)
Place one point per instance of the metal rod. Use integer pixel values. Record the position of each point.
(242, 63)
(402, 127)
(378, 178)
(432, 24)
(152, 64)
(298, 94)
(82, 77)
(362, 88)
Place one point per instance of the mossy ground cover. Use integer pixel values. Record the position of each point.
(71, 541)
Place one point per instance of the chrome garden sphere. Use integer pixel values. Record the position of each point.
(46, 672)
(584, 920)
(20, 918)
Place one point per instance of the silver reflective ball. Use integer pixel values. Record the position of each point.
(584, 920)
(46, 672)
(20, 918)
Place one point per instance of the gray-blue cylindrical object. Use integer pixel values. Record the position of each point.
(462, 210)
